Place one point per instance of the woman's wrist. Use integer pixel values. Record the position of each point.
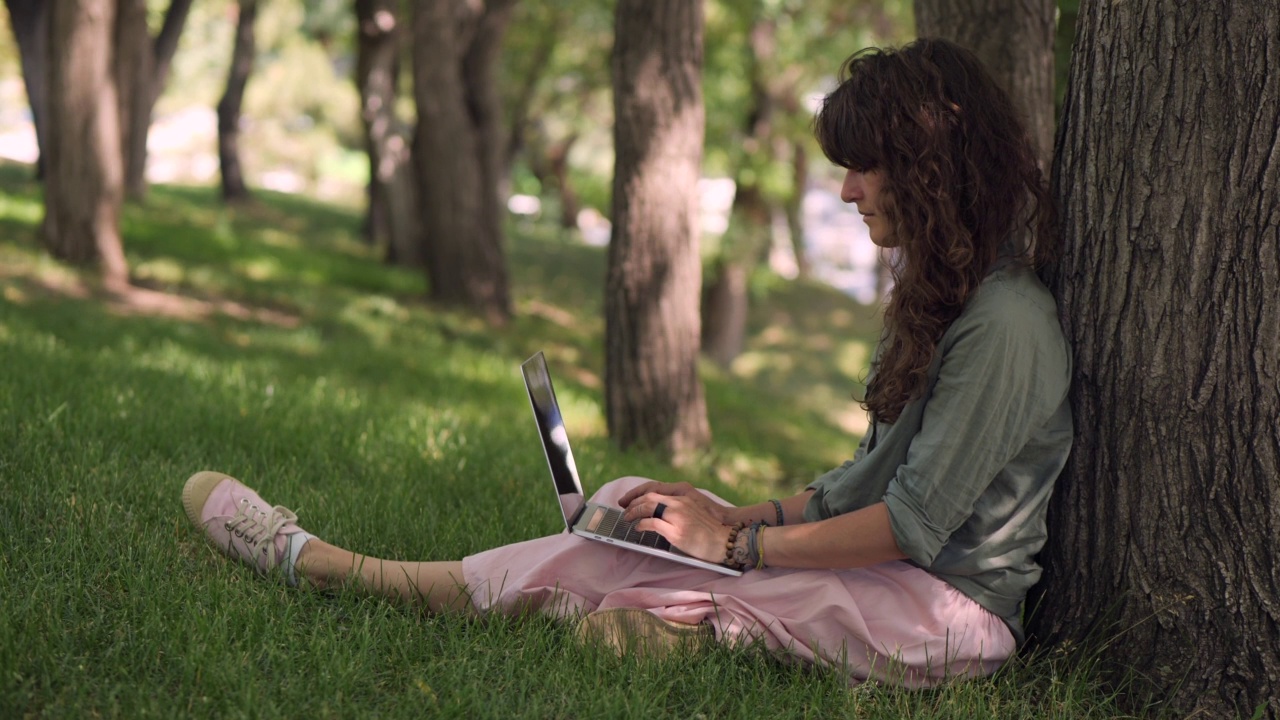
(732, 515)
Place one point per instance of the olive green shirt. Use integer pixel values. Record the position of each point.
(967, 470)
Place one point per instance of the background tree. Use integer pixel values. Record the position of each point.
(766, 59)
(30, 22)
(1164, 527)
(391, 221)
(749, 235)
(558, 99)
(459, 151)
(83, 171)
(142, 68)
(653, 395)
(242, 57)
(1014, 41)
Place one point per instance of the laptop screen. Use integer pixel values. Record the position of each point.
(555, 441)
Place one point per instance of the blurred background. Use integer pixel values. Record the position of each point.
(767, 62)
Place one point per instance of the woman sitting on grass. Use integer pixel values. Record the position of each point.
(911, 562)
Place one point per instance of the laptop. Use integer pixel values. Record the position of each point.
(582, 518)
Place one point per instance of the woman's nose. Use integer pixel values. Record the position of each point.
(851, 188)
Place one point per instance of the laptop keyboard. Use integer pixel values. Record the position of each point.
(615, 527)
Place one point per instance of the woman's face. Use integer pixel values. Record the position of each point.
(862, 187)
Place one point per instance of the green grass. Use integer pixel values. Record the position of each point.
(323, 379)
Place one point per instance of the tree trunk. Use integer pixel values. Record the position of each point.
(1165, 525)
(242, 56)
(392, 220)
(724, 312)
(749, 235)
(459, 153)
(726, 303)
(143, 71)
(653, 394)
(83, 173)
(30, 21)
(134, 70)
(519, 107)
(795, 209)
(558, 166)
(1014, 41)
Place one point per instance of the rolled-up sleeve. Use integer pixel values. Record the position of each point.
(990, 395)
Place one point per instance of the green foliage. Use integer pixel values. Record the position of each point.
(561, 51)
(10, 64)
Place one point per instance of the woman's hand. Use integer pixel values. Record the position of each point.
(686, 523)
(722, 513)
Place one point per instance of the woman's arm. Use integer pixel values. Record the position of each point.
(792, 511)
(792, 507)
(856, 539)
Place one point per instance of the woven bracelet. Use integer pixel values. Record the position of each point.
(777, 508)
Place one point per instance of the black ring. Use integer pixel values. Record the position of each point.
(657, 511)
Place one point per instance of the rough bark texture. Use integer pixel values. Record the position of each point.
(30, 22)
(1165, 528)
(83, 173)
(1015, 42)
(459, 152)
(392, 220)
(242, 56)
(654, 396)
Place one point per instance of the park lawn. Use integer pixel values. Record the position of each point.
(271, 345)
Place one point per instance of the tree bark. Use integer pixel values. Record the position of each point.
(726, 302)
(242, 57)
(1014, 41)
(558, 168)
(133, 68)
(83, 173)
(794, 208)
(459, 152)
(653, 394)
(30, 22)
(143, 70)
(1165, 526)
(392, 221)
(725, 307)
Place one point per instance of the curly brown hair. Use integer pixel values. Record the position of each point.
(960, 182)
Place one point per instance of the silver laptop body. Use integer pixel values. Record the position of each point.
(588, 520)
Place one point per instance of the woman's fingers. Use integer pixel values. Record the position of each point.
(687, 528)
(669, 489)
(645, 505)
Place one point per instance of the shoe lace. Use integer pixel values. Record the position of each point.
(258, 527)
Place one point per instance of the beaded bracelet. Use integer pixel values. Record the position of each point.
(734, 556)
(760, 546)
(777, 508)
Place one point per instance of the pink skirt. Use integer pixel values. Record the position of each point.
(891, 622)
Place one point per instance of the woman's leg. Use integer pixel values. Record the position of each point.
(268, 538)
(438, 586)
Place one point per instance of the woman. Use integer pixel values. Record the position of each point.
(910, 563)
